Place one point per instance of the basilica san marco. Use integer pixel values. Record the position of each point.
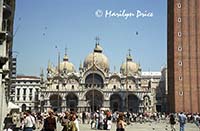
(94, 87)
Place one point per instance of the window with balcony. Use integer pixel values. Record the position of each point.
(24, 91)
(31, 91)
(24, 98)
(18, 91)
(30, 98)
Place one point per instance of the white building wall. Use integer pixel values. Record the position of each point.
(3, 103)
(24, 83)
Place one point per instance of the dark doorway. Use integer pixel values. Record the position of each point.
(56, 102)
(116, 102)
(133, 103)
(72, 101)
(158, 108)
(94, 99)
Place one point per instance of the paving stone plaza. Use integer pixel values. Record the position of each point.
(162, 126)
(146, 127)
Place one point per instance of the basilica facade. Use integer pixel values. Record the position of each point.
(94, 87)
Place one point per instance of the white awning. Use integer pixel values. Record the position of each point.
(12, 106)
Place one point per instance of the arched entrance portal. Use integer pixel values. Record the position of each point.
(56, 102)
(94, 80)
(94, 99)
(72, 101)
(116, 102)
(133, 103)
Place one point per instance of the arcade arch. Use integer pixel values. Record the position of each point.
(72, 101)
(56, 102)
(95, 99)
(115, 102)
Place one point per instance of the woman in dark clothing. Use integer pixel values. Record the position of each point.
(172, 121)
(8, 122)
(50, 122)
(120, 123)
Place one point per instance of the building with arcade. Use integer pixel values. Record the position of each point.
(94, 87)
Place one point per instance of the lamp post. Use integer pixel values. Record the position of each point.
(93, 83)
(127, 59)
(126, 85)
(58, 101)
(93, 68)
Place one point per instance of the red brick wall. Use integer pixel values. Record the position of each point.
(183, 63)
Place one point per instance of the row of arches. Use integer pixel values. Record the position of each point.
(132, 104)
(95, 100)
(98, 79)
(93, 80)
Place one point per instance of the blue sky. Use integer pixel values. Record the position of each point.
(40, 25)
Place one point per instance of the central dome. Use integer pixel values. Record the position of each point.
(97, 58)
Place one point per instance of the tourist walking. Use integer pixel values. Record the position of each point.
(83, 117)
(182, 121)
(75, 119)
(172, 122)
(50, 122)
(65, 121)
(120, 123)
(28, 122)
(8, 123)
(73, 124)
(108, 120)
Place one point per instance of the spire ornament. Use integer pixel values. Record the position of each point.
(97, 40)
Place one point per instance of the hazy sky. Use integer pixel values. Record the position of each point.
(40, 25)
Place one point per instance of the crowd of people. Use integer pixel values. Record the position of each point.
(100, 119)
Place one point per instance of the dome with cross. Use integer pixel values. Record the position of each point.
(66, 66)
(129, 67)
(97, 58)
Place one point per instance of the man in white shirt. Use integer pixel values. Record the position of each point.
(29, 121)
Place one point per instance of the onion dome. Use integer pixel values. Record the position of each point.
(66, 66)
(97, 58)
(132, 67)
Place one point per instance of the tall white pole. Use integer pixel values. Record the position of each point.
(2, 93)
